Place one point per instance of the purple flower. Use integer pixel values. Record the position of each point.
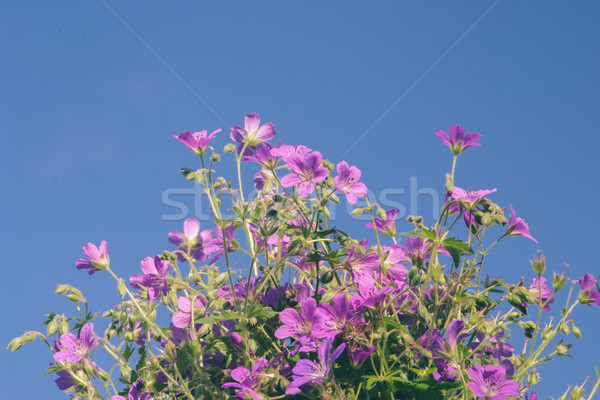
(456, 139)
(546, 292)
(253, 134)
(65, 380)
(362, 267)
(285, 151)
(154, 278)
(305, 173)
(307, 371)
(348, 183)
(518, 227)
(490, 382)
(76, 349)
(533, 396)
(263, 156)
(329, 320)
(297, 325)
(97, 258)
(588, 295)
(247, 382)
(197, 141)
(219, 242)
(387, 226)
(183, 317)
(360, 354)
(133, 394)
(191, 239)
(471, 198)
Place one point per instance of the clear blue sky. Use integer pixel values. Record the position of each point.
(87, 112)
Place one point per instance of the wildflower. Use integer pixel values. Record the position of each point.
(588, 295)
(347, 182)
(305, 173)
(285, 151)
(263, 156)
(546, 292)
(490, 382)
(221, 242)
(297, 325)
(201, 244)
(247, 382)
(386, 226)
(154, 278)
(362, 267)
(329, 320)
(76, 349)
(133, 394)
(456, 139)
(253, 134)
(197, 141)
(471, 198)
(183, 317)
(65, 380)
(97, 258)
(307, 371)
(518, 227)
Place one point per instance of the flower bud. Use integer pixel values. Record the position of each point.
(229, 148)
(577, 393)
(357, 211)
(63, 327)
(487, 220)
(563, 349)
(449, 188)
(52, 327)
(528, 329)
(381, 214)
(533, 377)
(501, 219)
(559, 282)
(576, 332)
(539, 263)
(565, 329)
(215, 157)
(327, 277)
(121, 289)
(547, 332)
(62, 289)
(436, 272)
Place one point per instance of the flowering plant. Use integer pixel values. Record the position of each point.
(319, 314)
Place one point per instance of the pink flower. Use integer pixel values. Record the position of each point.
(97, 258)
(253, 134)
(76, 349)
(517, 226)
(490, 382)
(305, 173)
(197, 141)
(348, 183)
(456, 139)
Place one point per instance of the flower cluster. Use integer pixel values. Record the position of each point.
(315, 312)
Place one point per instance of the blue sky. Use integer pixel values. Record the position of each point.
(87, 112)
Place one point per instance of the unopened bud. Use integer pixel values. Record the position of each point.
(563, 349)
(539, 263)
(327, 277)
(229, 148)
(121, 289)
(357, 211)
(559, 282)
(449, 188)
(215, 157)
(576, 332)
(381, 214)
